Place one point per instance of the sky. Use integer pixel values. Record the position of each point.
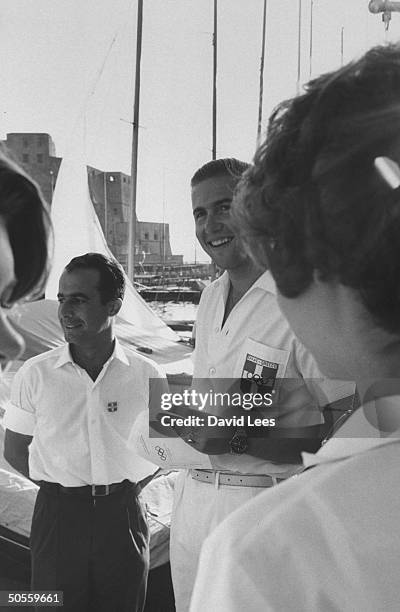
(64, 61)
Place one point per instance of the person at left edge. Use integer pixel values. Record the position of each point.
(25, 228)
(73, 409)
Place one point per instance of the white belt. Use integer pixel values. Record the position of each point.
(235, 480)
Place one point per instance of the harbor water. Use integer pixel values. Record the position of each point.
(175, 311)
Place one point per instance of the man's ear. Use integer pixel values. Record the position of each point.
(114, 306)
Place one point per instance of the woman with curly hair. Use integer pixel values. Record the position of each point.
(321, 205)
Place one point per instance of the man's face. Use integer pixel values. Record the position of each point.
(82, 314)
(211, 203)
(11, 343)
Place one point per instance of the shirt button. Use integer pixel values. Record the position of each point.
(212, 371)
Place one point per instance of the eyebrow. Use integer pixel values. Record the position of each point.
(216, 203)
(80, 295)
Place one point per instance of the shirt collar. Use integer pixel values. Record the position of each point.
(119, 353)
(264, 282)
(66, 357)
(360, 434)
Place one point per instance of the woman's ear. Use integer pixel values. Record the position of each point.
(114, 307)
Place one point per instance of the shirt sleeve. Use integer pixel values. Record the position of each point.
(239, 583)
(158, 389)
(20, 414)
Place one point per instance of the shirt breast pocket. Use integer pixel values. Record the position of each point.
(260, 365)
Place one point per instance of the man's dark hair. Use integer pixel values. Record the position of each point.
(314, 203)
(219, 167)
(112, 279)
(28, 224)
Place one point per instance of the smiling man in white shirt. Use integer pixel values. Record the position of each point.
(240, 331)
(68, 428)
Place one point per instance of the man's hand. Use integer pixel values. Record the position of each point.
(208, 439)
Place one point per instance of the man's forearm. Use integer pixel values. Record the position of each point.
(20, 464)
(16, 451)
(286, 448)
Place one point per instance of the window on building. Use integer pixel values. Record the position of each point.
(39, 158)
(155, 236)
(124, 180)
(25, 158)
(146, 235)
(111, 178)
(25, 142)
(41, 141)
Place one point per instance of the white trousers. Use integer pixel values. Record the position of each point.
(198, 508)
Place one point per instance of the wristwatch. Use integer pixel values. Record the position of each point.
(239, 444)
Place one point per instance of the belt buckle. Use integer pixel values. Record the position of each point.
(96, 490)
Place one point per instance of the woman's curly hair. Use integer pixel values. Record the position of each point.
(313, 203)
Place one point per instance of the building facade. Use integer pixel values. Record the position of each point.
(36, 153)
(110, 193)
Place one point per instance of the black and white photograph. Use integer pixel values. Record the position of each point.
(200, 305)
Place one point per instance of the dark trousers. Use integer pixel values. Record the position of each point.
(96, 552)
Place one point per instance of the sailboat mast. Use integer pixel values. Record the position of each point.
(214, 106)
(299, 50)
(311, 36)
(260, 100)
(342, 46)
(135, 142)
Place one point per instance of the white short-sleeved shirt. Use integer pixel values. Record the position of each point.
(81, 428)
(328, 539)
(256, 332)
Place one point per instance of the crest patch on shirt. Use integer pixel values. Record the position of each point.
(260, 371)
(112, 406)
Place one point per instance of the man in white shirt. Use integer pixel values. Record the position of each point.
(68, 428)
(240, 332)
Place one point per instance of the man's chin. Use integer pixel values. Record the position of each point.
(72, 336)
(219, 259)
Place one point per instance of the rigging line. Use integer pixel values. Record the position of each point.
(81, 114)
(97, 118)
(102, 67)
(107, 55)
(92, 90)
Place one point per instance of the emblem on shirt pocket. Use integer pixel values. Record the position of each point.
(112, 406)
(260, 367)
(259, 371)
